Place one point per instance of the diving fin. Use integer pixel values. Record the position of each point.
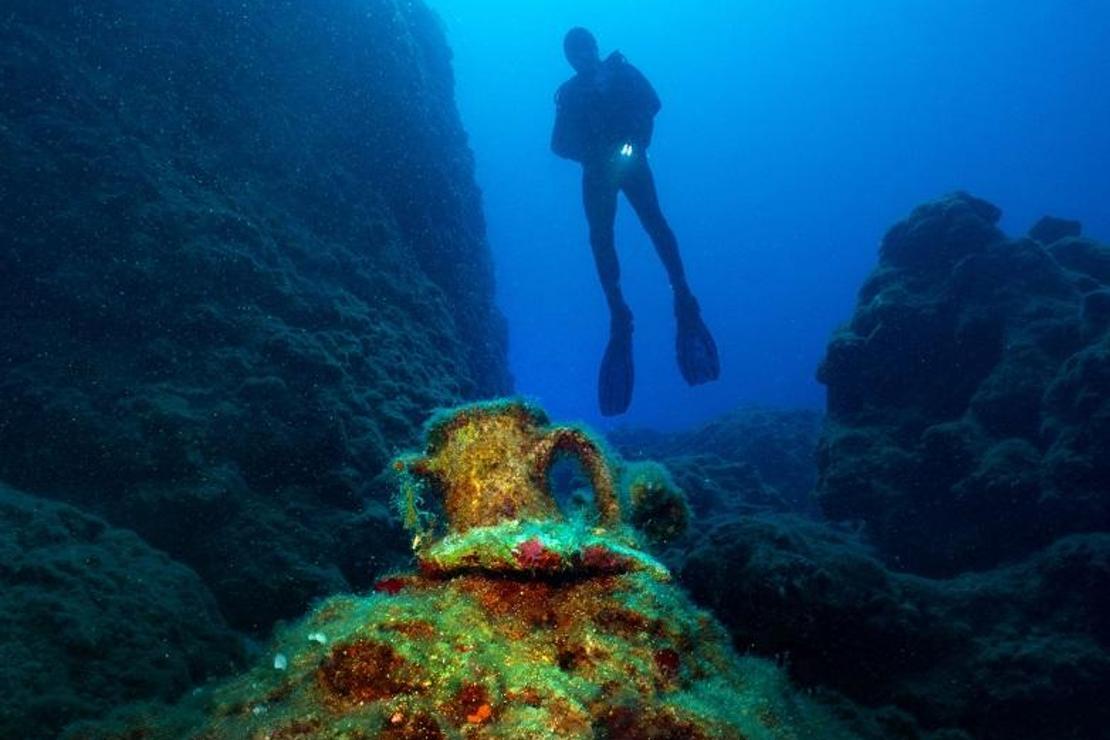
(614, 382)
(694, 346)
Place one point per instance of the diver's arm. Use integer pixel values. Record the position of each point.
(564, 141)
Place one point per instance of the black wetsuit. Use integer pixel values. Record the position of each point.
(605, 121)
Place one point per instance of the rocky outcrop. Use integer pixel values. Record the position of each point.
(94, 617)
(969, 395)
(243, 255)
(1022, 651)
(966, 441)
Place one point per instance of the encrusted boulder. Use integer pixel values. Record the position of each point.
(750, 459)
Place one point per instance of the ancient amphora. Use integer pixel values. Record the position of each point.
(490, 463)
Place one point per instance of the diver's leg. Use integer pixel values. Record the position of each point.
(639, 187)
(599, 194)
(695, 349)
(616, 376)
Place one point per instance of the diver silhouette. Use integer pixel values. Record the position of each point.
(604, 119)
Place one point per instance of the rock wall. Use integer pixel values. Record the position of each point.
(242, 257)
(969, 395)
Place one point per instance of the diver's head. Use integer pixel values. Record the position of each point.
(580, 47)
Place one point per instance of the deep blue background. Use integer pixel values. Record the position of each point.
(792, 136)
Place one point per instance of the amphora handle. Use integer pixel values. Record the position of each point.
(579, 444)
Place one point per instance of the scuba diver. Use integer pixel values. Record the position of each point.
(604, 120)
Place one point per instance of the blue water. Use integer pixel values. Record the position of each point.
(792, 136)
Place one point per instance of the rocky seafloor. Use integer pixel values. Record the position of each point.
(232, 292)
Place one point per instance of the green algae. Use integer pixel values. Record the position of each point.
(553, 548)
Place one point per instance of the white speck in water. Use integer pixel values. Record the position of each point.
(319, 637)
(281, 662)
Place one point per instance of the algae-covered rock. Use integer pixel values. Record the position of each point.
(93, 617)
(1050, 229)
(477, 656)
(523, 622)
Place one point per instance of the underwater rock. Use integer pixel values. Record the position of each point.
(1085, 257)
(1076, 466)
(657, 507)
(750, 459)
(243, 251)
(523, 621)
(93, 618)
(473, 656)
(940, 233)
(1020, 651)
(785, 586)
(965, 396)
(1051, 229)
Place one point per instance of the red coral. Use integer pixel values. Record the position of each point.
(391, 586)
(601, 559)
(471, 705)
(534, 555)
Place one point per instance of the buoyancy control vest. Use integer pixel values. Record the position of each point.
(595, 113)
